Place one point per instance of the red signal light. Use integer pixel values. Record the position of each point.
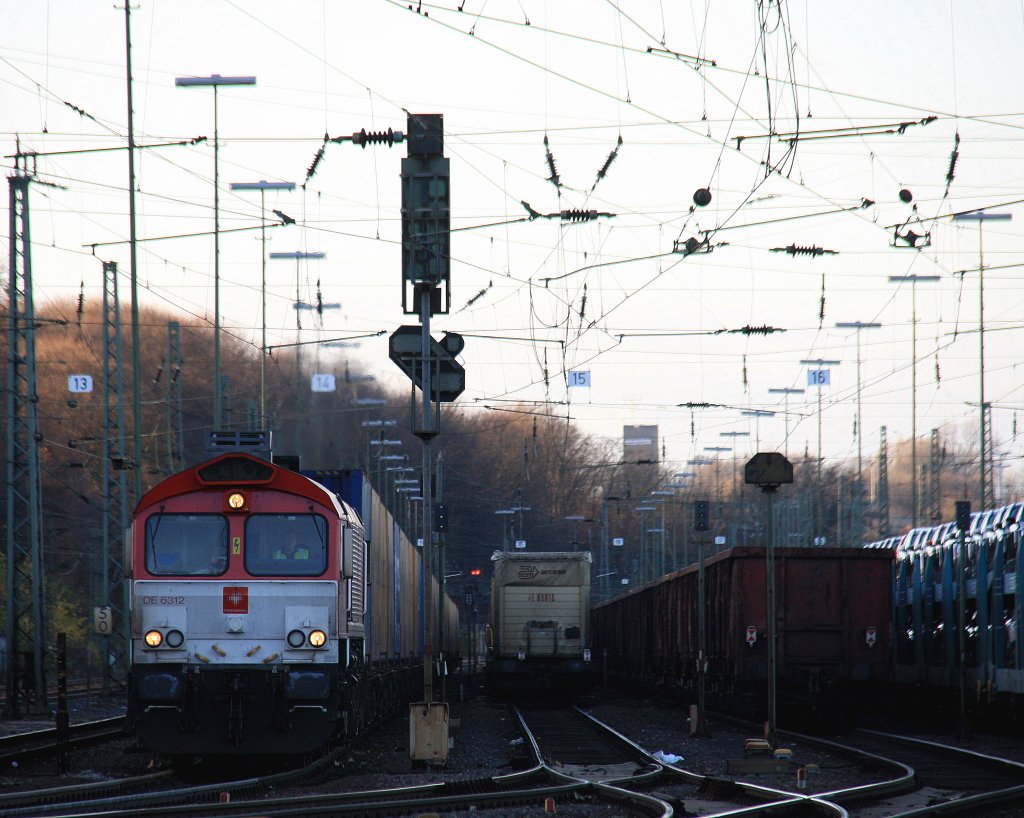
(475, 572)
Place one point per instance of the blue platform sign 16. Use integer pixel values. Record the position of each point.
(79, 383)
(579, 377)
(819, 377)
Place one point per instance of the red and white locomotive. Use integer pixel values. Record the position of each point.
(248, 591)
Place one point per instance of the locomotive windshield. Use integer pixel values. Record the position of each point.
(289, 544)
(186, 544)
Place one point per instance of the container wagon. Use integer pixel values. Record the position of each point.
(540, 622)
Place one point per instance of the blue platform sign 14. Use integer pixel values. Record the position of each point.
(819, 377)
(79, 383)
(578, 377)
(323, 383)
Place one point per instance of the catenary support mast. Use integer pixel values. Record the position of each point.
(26, 680)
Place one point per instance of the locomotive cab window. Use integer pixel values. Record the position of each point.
(286, 544)
(193, 544)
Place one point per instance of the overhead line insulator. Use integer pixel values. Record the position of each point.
(953, 157)
(797, 250)
(763, 329)
(554, 178)
(607, 163)
(364, 138)
(580, 215)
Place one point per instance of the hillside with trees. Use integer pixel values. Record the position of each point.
(505, 474)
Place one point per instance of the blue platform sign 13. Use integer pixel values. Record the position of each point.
(79, 383)
(819, 377)
(579, 377)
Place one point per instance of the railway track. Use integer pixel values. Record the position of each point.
(940, 779)
(572, 743)
(529, 787)
(578, 761)
(32, 746)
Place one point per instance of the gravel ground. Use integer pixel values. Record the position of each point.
(484, 733)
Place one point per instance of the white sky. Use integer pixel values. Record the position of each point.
(581, 73)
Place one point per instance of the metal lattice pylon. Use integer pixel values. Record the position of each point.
(987, 463)
(883, 486)
(26, 669)
(175, 420)
(115, 490)
(227, 404)
(857, 514)
(252, 416)
(935, 479)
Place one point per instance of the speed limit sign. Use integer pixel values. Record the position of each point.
(102, 622)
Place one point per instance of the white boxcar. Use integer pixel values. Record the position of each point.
(540, 621)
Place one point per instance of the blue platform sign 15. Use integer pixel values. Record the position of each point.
(579, 377)
(819, 377)
(79, 383)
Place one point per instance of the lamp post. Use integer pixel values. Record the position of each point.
(985, 487)
(386, 458)
(215, 81)
(913, 279)
(757, 414)
(605, 543)
(667, 490)
(716, 450)
(783, 390)
(299, 257)
(504, 513)
(519, 509)
(375, 423)
(733, 538)
(263, 187)
(768, 471)
(643, 539)
(580, 518)
(734, 435)
(818, 377)
(858, 326)
(657, 557)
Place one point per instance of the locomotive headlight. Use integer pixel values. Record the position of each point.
(175, 638)
(154, 638)
(317, 638)
(296, 638)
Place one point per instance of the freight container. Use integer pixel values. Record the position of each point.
(540, 621)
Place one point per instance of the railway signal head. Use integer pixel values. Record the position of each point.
(963, 515)
(701, 513)
(768, 471)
